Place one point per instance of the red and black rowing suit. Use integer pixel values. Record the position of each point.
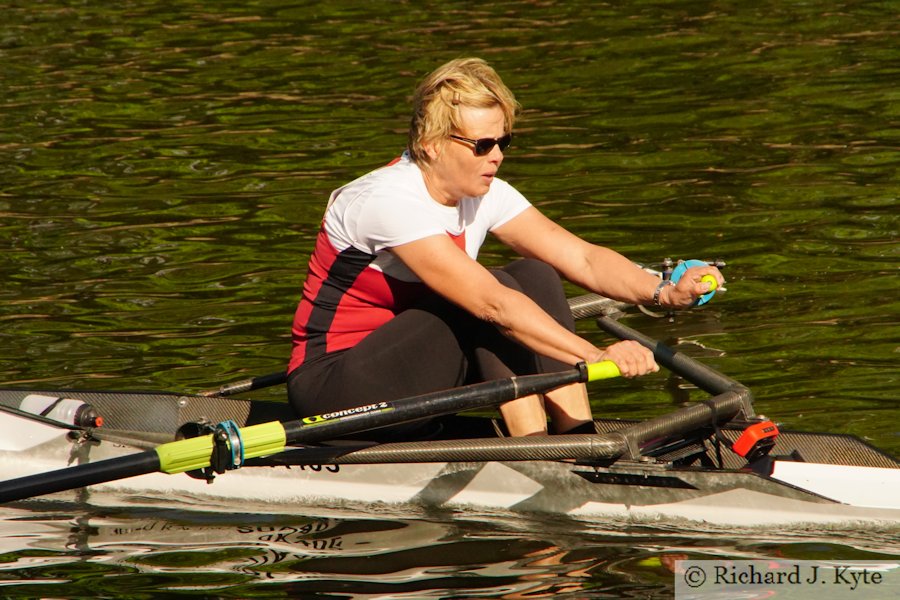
(367, 329)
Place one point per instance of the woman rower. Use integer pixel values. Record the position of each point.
(395, 303)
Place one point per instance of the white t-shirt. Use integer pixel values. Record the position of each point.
(355, 284)
(391, 206)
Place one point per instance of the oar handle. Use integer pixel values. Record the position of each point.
(605, 369)
(713, 284)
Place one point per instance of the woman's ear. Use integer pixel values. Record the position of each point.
(432, 149)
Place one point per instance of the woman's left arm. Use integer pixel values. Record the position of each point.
(597, 268)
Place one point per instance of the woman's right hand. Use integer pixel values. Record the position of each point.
(632, 358)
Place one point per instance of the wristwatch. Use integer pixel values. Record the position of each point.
(659, 289)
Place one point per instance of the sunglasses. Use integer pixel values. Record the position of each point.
(484, 145)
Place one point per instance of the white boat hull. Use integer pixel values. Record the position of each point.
(797, 494)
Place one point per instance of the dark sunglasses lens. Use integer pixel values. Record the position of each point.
(485, 145)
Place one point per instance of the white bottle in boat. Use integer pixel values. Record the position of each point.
(65, 410)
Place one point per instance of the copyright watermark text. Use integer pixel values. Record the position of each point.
(818, 580)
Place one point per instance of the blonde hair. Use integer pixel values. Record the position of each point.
(461, 82)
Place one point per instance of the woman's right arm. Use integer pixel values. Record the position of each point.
(450, 272)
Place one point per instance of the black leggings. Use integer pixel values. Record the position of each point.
(434, 346)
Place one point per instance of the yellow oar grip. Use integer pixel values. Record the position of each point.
(605, 369)
(194, 453)
(713, 284)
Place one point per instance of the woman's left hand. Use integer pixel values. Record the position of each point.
(691, 286)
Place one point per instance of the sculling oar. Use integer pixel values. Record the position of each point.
(270, 438)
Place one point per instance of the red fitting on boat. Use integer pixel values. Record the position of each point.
(757, 440)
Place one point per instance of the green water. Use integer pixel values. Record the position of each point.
(164, 166)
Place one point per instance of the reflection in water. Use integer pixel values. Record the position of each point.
(401, 553)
